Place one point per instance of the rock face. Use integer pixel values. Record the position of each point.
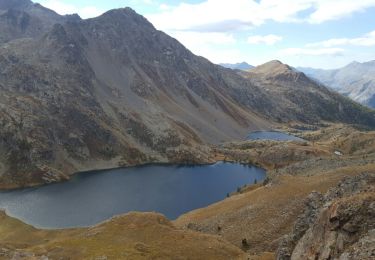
(355, 80)
(339, 225)
(113, 91)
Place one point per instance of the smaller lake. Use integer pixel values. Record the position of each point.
(89, 198)
(272, 135)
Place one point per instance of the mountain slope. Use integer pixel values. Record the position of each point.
(113, 91)
(355, 80)
(303, 98)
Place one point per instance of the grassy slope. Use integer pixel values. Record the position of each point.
(132, 236)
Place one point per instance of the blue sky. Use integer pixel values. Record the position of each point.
(310, 33)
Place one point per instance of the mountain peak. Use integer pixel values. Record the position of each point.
(125, 10)
(123, 15)
(277, 70)
(122, 12)
(274, 62)
(273, 67)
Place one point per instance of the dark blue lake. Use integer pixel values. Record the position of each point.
(272, 135)
(89, 198)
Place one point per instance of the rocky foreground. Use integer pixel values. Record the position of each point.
(337, 225)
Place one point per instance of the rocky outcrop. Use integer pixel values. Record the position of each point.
(338, 225)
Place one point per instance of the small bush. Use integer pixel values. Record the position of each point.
(245, 244)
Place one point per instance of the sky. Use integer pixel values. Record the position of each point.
(302, 33)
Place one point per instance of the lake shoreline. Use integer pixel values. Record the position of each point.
(213, 157)
(91, 197)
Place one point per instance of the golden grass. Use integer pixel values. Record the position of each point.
(132, 236)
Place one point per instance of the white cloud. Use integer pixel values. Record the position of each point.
(214, 22)
(226, 55)
(59, 6)
(234, 14)
(197, 38)
(312, 51)
(269, 39)
(215, 15)
(224, 15)
(164, 7)
(365, 40)
(89, 11)
(63, 8)
(335, 9)
(214, 46)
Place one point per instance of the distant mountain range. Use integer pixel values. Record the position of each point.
(356, 80)
(237, 66)
(113, 91)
